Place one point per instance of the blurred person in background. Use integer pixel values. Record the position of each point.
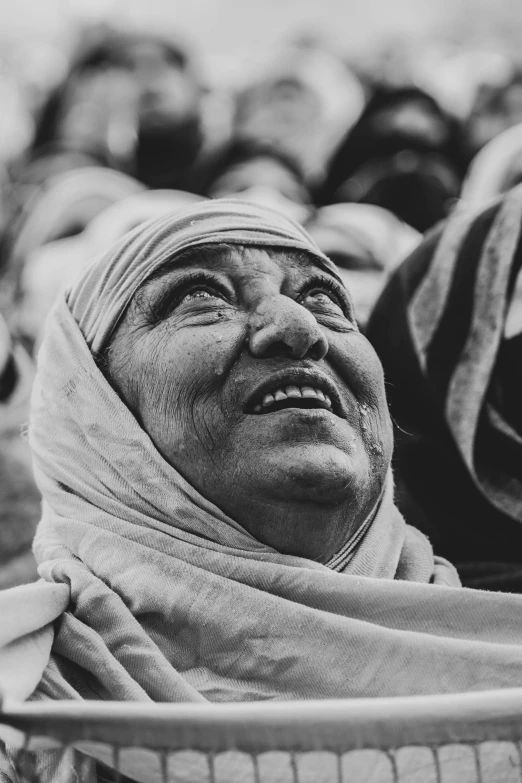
(131, 101)
(262, 173)
(364, 241)
(61, 208)
(448, 330)
(404, 154)
(16, 123)
(302, 103)
(495, 169)
(496, 107)
(19, 497)
(16, 128)
(455, 74)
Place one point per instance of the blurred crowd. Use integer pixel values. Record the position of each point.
(367, 158)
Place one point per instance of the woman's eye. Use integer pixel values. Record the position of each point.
(321, 298)
(200, 294)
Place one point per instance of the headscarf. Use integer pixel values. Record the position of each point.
(53, 267)
(171, 600)
(446, 329)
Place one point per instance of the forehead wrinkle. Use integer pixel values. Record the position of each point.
(253, 270)
(283, 260)
(296, 258)
(172, 265)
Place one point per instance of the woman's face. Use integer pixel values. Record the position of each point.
(246, 369)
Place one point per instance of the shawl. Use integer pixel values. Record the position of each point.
(460, 457)
(170, 600)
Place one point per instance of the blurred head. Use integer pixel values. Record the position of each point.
(419, 189)
(263, 175)
(119, 89)
(404, 148)
(167, 85)
(497, 107)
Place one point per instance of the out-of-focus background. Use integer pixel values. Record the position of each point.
(368, 121)
(228, 28)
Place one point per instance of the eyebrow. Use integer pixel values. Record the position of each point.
(172, 264)
(212, 264)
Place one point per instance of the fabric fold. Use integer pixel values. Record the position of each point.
(170, 600)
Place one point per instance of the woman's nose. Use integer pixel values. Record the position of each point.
(281, 326)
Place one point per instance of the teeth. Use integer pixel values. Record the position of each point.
(295, 392)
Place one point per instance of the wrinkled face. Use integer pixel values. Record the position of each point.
(247, 370)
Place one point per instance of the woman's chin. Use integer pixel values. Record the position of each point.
(316, 472)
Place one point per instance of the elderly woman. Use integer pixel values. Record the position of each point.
(212, 442)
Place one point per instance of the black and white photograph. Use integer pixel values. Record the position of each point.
(260, 391)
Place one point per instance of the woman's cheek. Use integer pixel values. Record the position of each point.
(353, 358)
(362, 372)
(188, 368)
(377, 435)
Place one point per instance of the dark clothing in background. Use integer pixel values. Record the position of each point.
(454, 387)
(404, 154)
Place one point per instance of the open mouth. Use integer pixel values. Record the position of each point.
(285, 397)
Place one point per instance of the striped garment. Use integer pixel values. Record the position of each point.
(439, 328)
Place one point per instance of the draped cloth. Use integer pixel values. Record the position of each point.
(445, 329)
(171, 600)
